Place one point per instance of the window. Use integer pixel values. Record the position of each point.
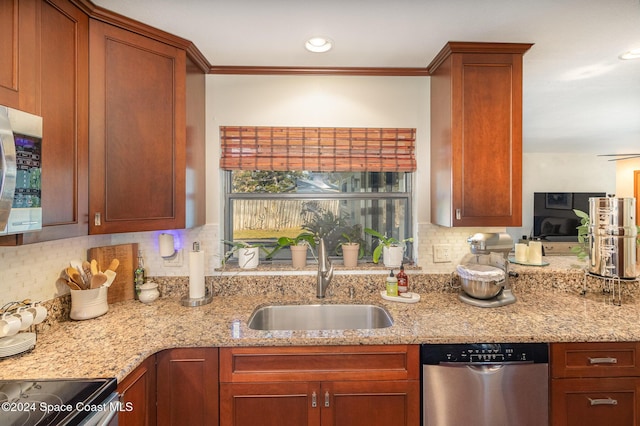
(262, 205)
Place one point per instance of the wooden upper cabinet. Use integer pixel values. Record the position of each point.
(58, 91)
(137, 154)
(19, 62)
(476, 134)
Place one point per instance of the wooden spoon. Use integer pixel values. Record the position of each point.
(75, 277)
(73, 285)
(97, 280)
(113, 265)
(94, 266)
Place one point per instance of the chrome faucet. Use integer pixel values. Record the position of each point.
(325, 270)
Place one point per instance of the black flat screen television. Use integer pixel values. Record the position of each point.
(553, 215)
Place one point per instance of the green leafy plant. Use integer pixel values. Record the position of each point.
(352, 236)
(384, 241)
(303, 238)
(583, 232)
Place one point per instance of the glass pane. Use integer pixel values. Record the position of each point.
(265, 220)
(316, 182)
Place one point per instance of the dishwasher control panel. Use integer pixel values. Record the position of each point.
(485, 353)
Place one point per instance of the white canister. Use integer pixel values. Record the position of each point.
(535, 252)
(148, 292)
(522, 252)
(392, 256)
(86, 304)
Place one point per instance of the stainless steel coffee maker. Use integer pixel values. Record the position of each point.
(484, 273)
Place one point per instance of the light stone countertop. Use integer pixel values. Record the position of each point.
(114, 344)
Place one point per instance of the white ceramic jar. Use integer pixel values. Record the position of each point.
(148, 292)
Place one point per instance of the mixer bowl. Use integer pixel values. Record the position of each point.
(481, 289)
(481, 281)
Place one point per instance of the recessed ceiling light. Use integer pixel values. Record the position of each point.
(631, 54)
(318, 44)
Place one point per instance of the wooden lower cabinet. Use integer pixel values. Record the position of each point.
(596, 401)
(138, 395)
(595, 384)
(344, 385)
(187, 392)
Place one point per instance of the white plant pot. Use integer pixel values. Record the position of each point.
(392, 256)
(299, 256)
(249, 258)
(350, 254)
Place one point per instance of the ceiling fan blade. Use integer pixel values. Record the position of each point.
(621, 156)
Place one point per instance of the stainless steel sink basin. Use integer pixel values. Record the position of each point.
(319, 317)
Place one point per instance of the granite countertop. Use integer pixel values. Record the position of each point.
(114, 344)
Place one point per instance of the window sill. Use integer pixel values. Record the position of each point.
(269, 268)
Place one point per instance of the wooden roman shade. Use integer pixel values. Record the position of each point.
(317, 149)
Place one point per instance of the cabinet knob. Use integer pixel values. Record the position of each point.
(326, 399)
(314, 400)
(458, 214)
(97, 220)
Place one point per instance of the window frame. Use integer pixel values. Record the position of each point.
(407, 195)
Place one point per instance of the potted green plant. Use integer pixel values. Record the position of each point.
(391, 249)
(351, 246)
(298, 246)
(583, 233)
(248, 253)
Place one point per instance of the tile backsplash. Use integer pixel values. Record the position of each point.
(31, 271)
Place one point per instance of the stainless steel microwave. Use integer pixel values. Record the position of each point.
(20, 171)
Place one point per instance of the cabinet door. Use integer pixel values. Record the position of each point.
(595, 402)
(476, 135)
(371, 402)
(62, 90)
(270, 404)
(19, 62)
(138, 392)
(137, 132)
(188, 386)
(64, 108)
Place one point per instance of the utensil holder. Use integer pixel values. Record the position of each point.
(87, 304)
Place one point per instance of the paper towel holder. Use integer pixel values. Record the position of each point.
(167, 246)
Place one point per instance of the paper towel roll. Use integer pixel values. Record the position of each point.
(196, 274)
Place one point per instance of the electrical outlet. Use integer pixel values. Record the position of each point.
(175, 260)
(441, 253)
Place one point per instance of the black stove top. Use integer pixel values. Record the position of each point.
(51, 402)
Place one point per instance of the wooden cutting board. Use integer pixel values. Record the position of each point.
(122, 287)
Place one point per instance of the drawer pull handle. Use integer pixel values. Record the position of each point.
(607, 360)
(314, 400)
(326, 399)
(603, 401)
(458, 214)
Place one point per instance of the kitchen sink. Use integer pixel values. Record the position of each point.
(319, 317)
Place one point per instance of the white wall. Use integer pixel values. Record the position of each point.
(625, 172)
(322, 101)
(552, 172)
(31, 271)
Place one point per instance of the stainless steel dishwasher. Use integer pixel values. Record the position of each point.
(492, 384)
